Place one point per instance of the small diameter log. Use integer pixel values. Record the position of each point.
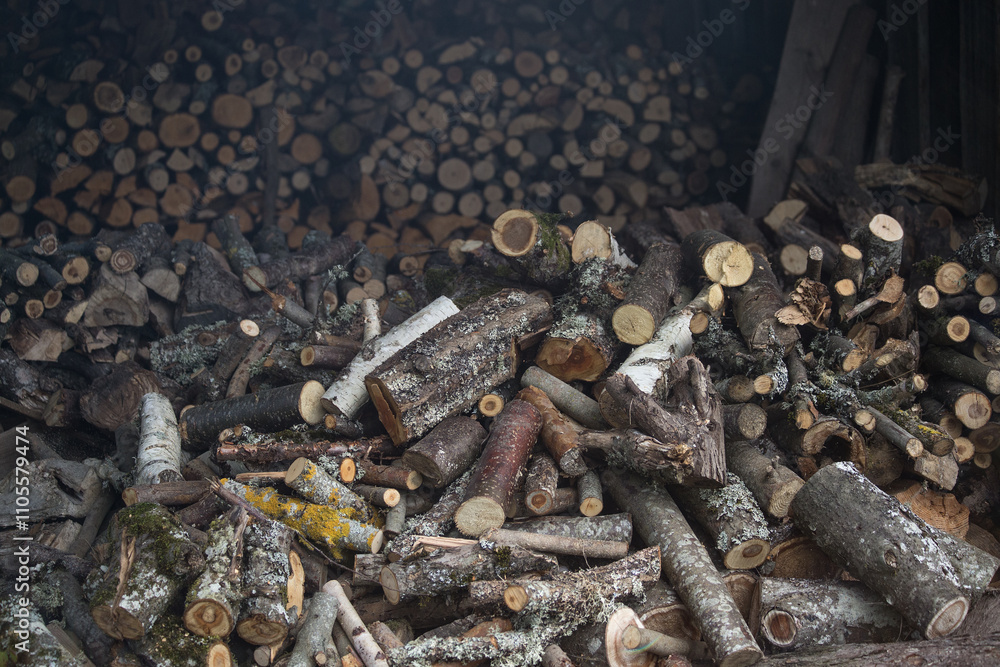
(212, 383)
(560, 437)
(772, 484)
(965, 369)
(263, 618)
(348, 394)
(718, 257)
(331, 357)
(569, 546)
(379, 496)
(237, 250)
(447, 451)
(540, 484)
(448, 369)
(257, 350)
(159, 456)
(452, 569)
(590, 494)
(694, 453)
(183, 492)
(881, 242)
(896, 434)
(213, 599)
(395, 518)
(650, 641)
(319, 257)
(650, 295)
(318, 486)
(743, 421)
(688, 568)
(568, 400)
(794, 614)
(394, 477)
(606, 527)
(505, 453)
(583, 594)
(311, 640)
(755, 305)
(154, 560)
(333, 529)
(733, 518)
(972, 407)
(268, 410)
(348, 618)
(901, 558)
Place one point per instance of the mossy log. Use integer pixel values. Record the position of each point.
(505, 453)
(793, 614)
(155, 560)
(268, 410)
(169, 644)
(349, 393)
(560, 437)
(688, 423)
(263, 617)
(448, 369)
(584, 594)
(331, 528)
(213, 600)
(733, 518)
(902, 559)
(448, 450)
(754, 306)
(650, 295)
(447, 570)
(318, 486)
(535, 244)
(608, 527)
(688, 568)
(159, 456)
(772, 484)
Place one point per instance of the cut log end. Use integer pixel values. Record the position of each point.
(948, 618)
(310, 405)
(886, 228)
(633, 324)
(729, 264)
(491, 405)
(591, 506)
(747, 555)
(208, 618)
(390, 586)
(479, 514)
(515, 233)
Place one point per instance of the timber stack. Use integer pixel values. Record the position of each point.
(346, 396)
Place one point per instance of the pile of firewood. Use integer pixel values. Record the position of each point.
(803, 466)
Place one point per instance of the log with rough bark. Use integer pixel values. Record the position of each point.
(333, 529)
(159, 456)
(312, 637)
(559, 436)
(212, 382)
(755, 305)
(689, 427)
(535, 244)
(605, 527)
(318, 486)
(446, 451)
(688, 567)
(570, 546)
(269, 410)
(501, 465)
(266, 578)
(155, 559)
(905, 561)
(793, 614)
(452, 569)
(540, 484)
(169, 644)
(772, 484)
(650, 295)
(348, 394)
(966, 651)
(213, 600)
(448, 369)
(733, 518)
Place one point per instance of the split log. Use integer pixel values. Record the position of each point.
(772, 484)
(881, 241)
(263, 618)
(794, 614)
(213, 600)
(733, 518)
(585, 593)
(688, 568)
(505, 453)
(449, 368)
(452, 569)
(212, 383)
(259, 347)
(348, 394)
(559, 436)
(905, 562)
(335, 530)
(269, 410)
(447, 451)
(116, 300)
(159, 457)
(650, 295)
(156, 559)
